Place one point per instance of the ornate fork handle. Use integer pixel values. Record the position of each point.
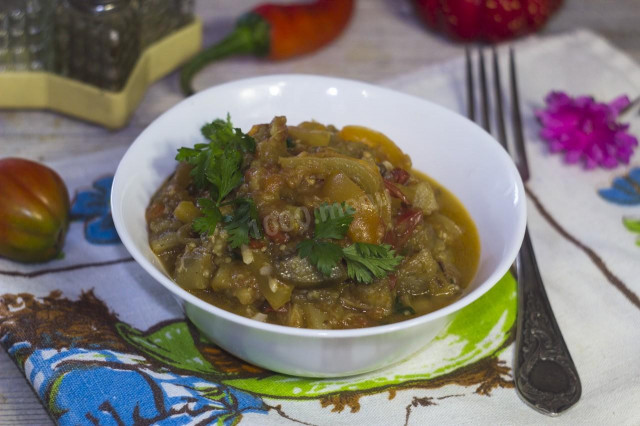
(545, 375)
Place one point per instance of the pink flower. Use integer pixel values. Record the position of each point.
(586, 130)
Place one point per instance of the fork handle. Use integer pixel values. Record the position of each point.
(545, 375)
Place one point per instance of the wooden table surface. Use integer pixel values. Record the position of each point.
(384, 40)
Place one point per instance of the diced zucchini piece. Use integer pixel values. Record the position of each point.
(194, 270)
(276, 292)
(422, 275)
(186, 212)
(299, 272)
(424, 198)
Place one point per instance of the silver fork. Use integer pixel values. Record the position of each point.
(544, 373)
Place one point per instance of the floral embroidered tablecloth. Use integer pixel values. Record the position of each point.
(102, 343)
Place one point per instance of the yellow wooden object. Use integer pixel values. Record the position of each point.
(41, 90)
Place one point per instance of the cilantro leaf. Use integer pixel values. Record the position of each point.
(217, 167)
(365, 262)
(218, 130)
(332, 220)
(243, 223)
(222, 132)
(211, 215)
(199, 157)
(217, 164)
(238, 235)
(187, 154)
(323, 255)
(225, 174)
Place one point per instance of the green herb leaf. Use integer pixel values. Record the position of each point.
(218, 163)
(332, 220)
(217, 167)
(187, 154)
(199, 157)
(238, 235)
(323, 255)
(225, 174)
(243, 223)
(211, 215)
(223, 133)
(365, 262)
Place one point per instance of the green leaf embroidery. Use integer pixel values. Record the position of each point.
(632, 224)
(171, 344)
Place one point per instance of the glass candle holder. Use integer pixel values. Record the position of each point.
(97, 41)
(159, 18)
(27, 35)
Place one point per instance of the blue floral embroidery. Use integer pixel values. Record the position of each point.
(625, 190)
(94, 208)
(153, 395)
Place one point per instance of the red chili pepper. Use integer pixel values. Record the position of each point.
(256, 244)
(406, 224)
(393, 280)
(390, 238)
(266, 308)
(400, 176)
(276, 31)
(279, 237)
(395, 192)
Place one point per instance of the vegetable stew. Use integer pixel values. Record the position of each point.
(310, 226)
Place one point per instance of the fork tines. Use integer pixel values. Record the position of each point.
(518, 152)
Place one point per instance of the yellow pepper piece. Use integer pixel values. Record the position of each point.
(312, 137)
(362, 172)
(378, 140)
(313, 125)
(367, 226)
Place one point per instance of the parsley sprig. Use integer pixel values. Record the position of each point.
(217, 167)
(211, 215)
(243, 223)
(365, 261)
(368, 261)
(218, 163)
(332, 220)
(322, 254)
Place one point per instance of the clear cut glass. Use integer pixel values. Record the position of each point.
(27, 35)
(158, 18)
(97, 41)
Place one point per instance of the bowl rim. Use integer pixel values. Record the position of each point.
(501, 269)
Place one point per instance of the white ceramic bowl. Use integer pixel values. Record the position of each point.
(443, 144)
